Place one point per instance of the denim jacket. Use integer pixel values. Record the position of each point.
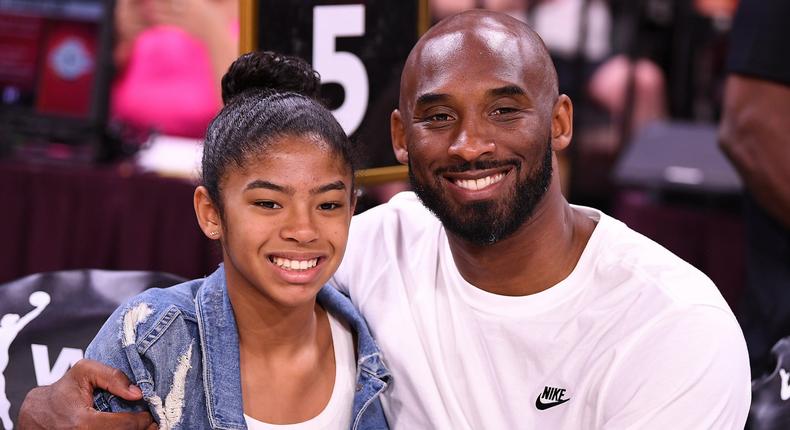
(181, 347)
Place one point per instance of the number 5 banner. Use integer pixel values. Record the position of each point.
(358, 48)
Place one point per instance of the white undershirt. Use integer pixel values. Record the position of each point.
(337, 413)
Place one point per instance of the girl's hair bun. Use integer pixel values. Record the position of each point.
(268, 71)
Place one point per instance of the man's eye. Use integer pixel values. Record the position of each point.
(267, 204)
(439, 117)
(329, 206)
(503, 111)
(433, 118)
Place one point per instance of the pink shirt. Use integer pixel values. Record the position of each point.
(168, 85)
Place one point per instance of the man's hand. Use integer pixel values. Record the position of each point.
(68, 403)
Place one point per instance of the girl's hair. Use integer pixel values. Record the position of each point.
(267, 96)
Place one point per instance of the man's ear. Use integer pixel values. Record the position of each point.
(207, 214)
(398, 134)
(561, 123)
(353, 200)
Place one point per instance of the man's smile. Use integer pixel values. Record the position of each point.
(477, 183)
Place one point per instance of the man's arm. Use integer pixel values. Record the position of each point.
(755, 135)
(68, 403)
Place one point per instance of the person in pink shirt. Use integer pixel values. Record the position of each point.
(170, 56)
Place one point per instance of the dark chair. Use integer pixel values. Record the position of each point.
(47, 320)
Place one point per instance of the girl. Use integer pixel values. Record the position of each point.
(258, 344)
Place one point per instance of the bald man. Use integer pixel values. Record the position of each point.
(496, 303)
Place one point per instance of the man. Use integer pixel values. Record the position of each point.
(513, 309)
(755, 135)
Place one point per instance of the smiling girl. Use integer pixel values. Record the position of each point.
(261, 343)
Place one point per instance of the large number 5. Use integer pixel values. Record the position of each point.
(344, 68)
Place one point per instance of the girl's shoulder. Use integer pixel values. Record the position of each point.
(152, 311)
(181, 296)
(154, 338)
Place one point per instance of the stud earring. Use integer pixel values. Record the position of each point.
(214, 233)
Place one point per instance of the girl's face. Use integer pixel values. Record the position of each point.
(286, 219)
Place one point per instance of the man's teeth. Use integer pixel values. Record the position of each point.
(294, 264)
(479, 184)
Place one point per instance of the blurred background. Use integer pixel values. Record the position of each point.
(104, 104)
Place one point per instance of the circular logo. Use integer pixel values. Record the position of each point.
(71, 59)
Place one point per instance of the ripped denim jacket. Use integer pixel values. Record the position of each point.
(180, 346)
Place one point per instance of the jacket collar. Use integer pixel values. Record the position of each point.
(219, 342)
(369, 357)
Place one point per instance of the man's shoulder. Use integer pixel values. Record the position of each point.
(666, 321)
(386, 240)
(403, 218)
(625, 254)
(402, 206)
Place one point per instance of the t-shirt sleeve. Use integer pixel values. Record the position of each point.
(760, 29)
(690, 370)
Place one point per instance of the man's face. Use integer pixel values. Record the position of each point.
(477, 129)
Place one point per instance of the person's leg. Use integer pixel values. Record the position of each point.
(609, 84)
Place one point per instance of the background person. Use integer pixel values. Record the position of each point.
(754, 135)
(170, 56)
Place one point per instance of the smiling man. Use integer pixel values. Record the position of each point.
(497, 304)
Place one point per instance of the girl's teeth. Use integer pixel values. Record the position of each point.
(294, 264)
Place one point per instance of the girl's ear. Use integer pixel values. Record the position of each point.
(207, 214)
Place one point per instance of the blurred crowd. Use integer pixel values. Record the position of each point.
(624, 64)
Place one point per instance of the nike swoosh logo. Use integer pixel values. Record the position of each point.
(543, 406)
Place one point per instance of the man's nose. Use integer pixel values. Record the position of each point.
(472, 142)
(300, 227)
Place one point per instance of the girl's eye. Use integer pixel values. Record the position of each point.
(267, 204)
(329, 206)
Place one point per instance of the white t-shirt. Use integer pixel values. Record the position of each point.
(337, 413)
(633, 338)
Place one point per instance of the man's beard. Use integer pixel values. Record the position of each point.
(487, 222)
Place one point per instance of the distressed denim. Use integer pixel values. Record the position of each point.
(181, 347)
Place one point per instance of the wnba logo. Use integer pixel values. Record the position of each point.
(10, 326)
